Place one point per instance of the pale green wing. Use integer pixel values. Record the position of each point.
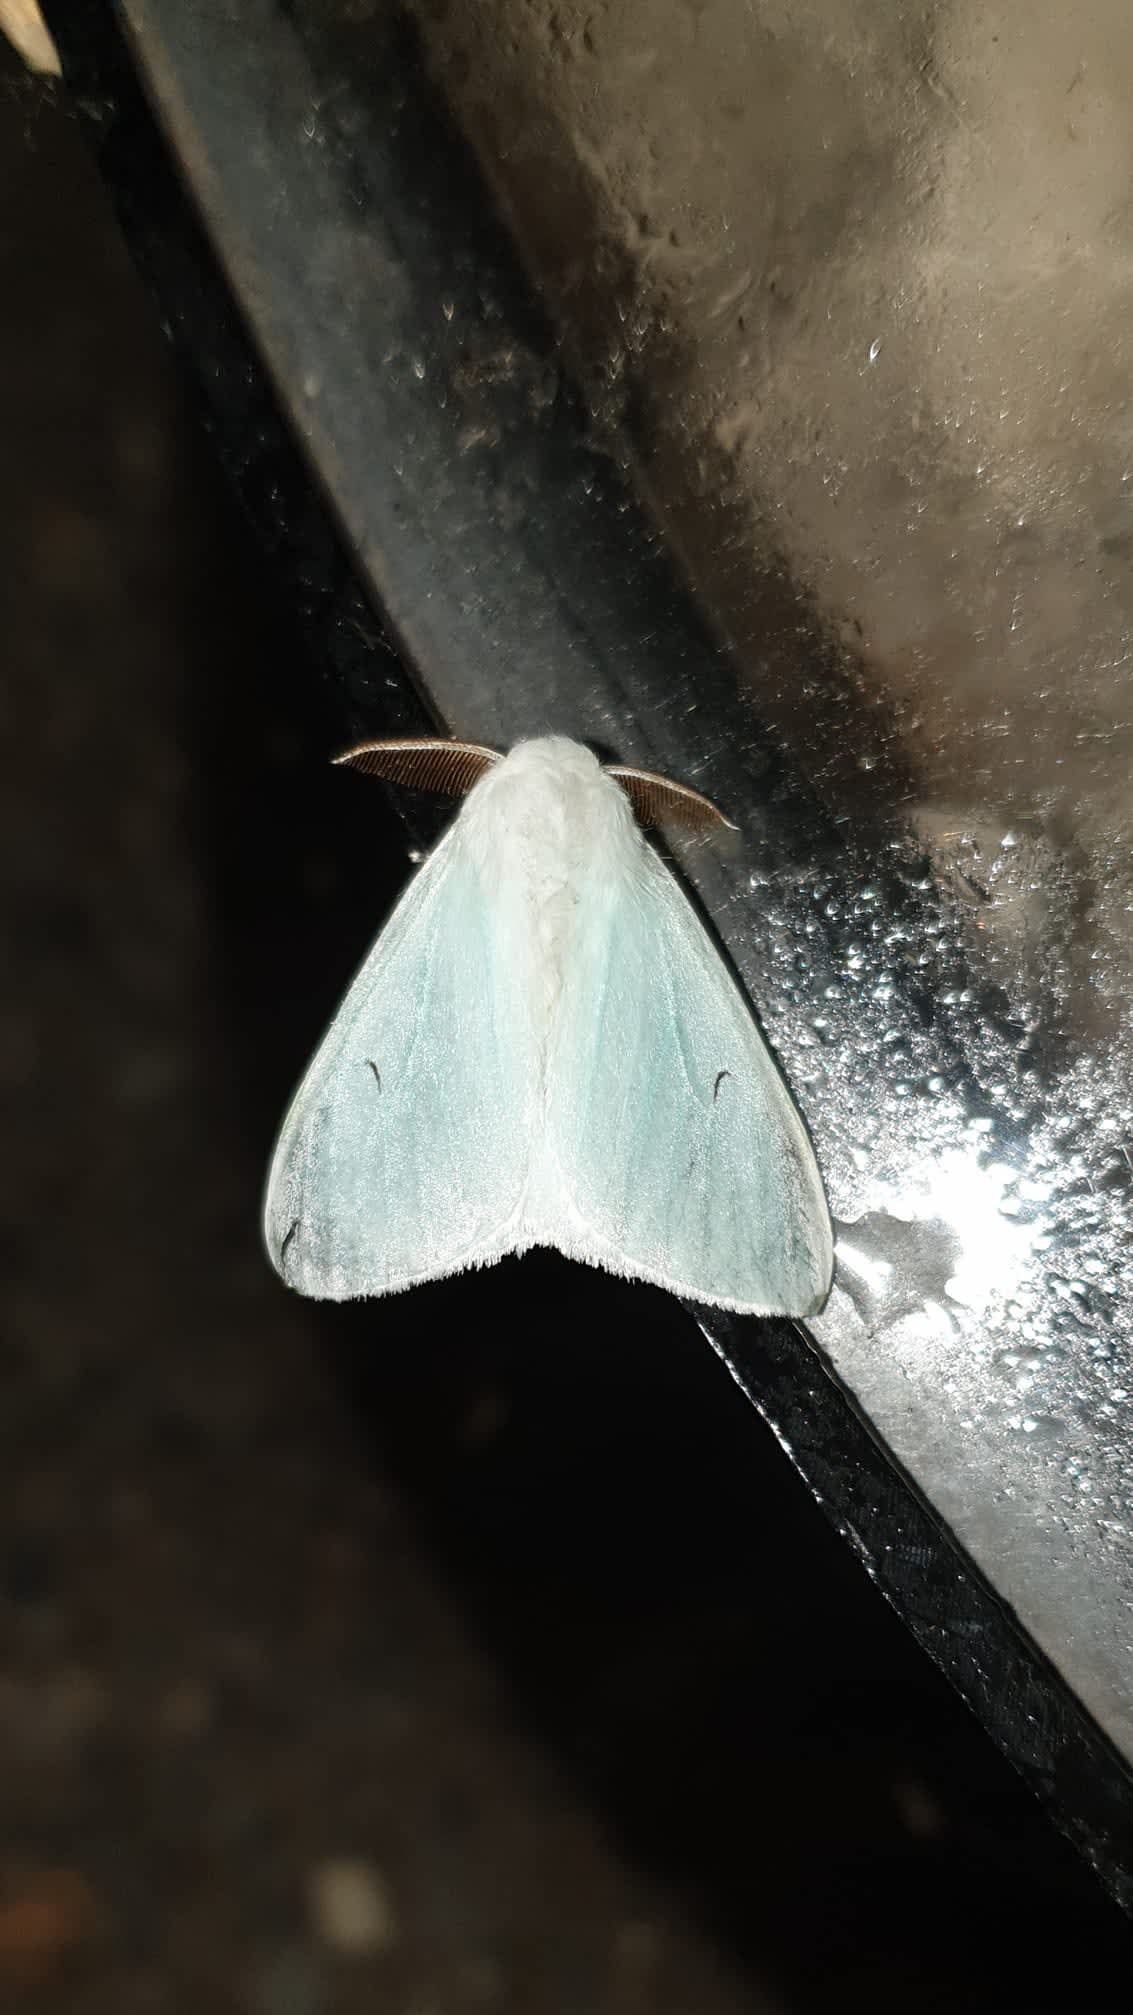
(405, 1152)
(676, 1152)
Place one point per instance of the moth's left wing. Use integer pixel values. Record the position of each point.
(406, 1149)
(675, 1152)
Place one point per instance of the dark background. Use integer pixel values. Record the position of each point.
(561, 1652)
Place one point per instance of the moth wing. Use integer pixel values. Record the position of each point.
(679, 1154)
(405, 1151)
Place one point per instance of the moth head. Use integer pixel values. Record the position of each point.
(451, 768)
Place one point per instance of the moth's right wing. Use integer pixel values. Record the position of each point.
(678, 1153)
(405, 1152)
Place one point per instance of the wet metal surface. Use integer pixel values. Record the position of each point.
(939, 962)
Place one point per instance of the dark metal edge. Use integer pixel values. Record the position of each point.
(362, 676)
(937, 1590)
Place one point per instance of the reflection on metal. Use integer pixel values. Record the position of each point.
(921, 942)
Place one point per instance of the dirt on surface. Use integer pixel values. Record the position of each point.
(475, 1653)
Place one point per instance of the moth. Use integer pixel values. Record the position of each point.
(545, 1047)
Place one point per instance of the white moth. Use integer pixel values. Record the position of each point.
(544, 1047)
